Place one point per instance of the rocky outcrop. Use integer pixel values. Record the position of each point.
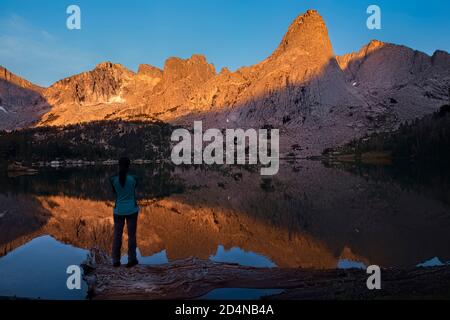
(17, 168)
(187, 279)
(180, 79)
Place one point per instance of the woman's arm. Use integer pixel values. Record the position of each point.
(135, 187)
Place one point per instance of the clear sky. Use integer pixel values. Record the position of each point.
(35, 43)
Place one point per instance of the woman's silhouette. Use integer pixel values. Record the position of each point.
(125, 209)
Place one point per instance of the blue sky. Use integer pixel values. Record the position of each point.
(35, 43)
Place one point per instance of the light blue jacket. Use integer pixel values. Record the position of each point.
(126, 203)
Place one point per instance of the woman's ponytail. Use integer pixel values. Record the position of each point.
(124, 166)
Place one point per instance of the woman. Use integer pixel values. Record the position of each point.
(125, 209)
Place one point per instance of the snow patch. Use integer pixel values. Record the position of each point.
(3, 109)
(116, 99)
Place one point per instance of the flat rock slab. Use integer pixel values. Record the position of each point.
(193, 278)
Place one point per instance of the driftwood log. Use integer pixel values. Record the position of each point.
(193, 278)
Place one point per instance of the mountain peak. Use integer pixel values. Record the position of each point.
(308, 33)
(441, 58)
(108, 65)
(374, 43)
(103, 84)
(8, 76)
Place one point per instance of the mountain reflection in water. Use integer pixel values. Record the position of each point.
(307, 216)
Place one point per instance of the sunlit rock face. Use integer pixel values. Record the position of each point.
(318, 99)
(104, 84)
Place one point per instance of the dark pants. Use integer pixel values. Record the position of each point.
(119, 223)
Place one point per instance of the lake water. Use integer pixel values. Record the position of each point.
(309, 215)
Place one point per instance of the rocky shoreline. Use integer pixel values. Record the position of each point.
(193, 278)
